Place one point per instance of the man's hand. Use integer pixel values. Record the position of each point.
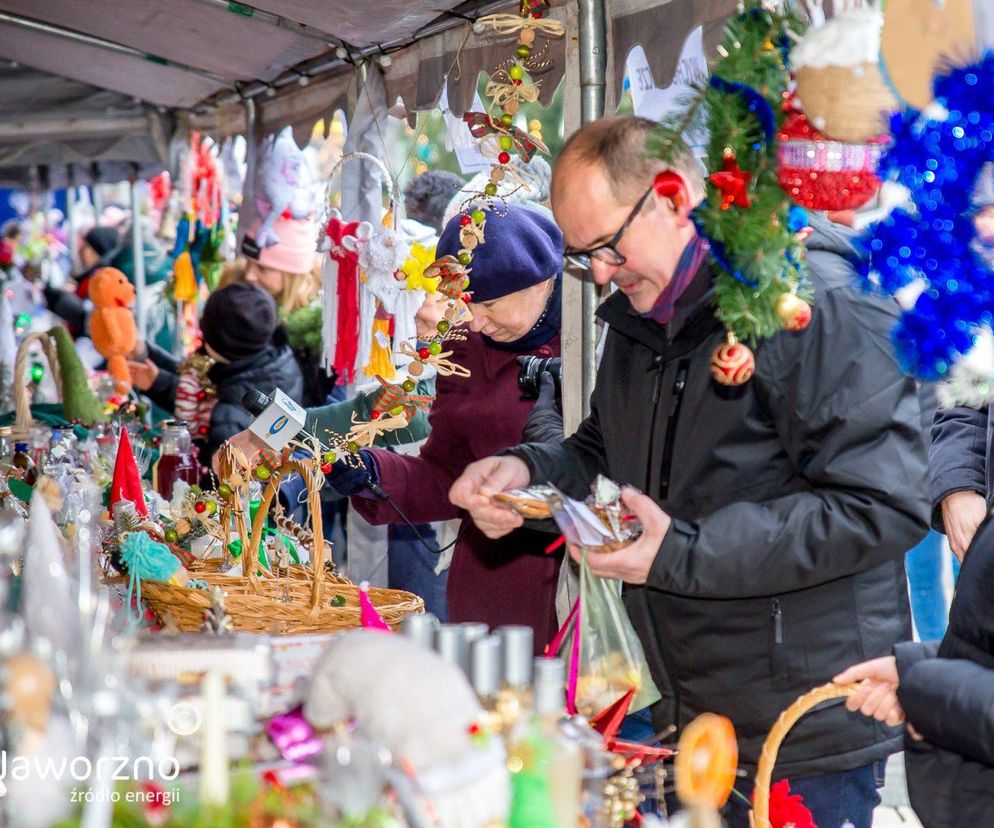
(143, 374)
(962, 513)
(247, 442)
(632, 564)
(877, 694)
(482, 479)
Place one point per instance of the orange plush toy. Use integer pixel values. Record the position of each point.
(112, 327)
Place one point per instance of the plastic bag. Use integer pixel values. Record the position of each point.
(606, 657)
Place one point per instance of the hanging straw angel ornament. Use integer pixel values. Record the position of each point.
(393, 407)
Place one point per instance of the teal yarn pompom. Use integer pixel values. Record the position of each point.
(148, 559)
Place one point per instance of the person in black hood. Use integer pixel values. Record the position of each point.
(776, 514)
(244, 348)
(945, 692)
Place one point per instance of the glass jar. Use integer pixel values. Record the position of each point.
(176, 459)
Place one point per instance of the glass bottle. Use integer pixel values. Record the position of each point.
(485, 670)
(515, 697)
(566, 760)
(62, 448)
(176, 460)
(24, 465)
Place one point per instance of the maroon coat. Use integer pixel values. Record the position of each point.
(507, 581)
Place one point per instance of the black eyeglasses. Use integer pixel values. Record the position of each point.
(607, 253)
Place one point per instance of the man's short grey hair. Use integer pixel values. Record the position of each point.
(618, 144)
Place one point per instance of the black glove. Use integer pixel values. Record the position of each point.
(352, 475)
(545, 422)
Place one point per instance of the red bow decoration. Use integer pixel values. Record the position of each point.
(788, 809)
(347, 330)
(733, 182)
(392, 395)
(454, 277)
(608, 722)
(480, 125)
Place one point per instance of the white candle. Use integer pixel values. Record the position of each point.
(213, 745)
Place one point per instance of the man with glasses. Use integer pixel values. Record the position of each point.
(776, 514)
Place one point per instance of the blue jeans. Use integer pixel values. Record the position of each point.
(928, 598)
(832, 798)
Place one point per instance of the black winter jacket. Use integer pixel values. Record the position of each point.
(275, 367)
(794, 498)
(949, 699)
(959, 456)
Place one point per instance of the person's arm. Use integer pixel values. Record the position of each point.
(227, 420)
(950, 702)
(958, 465)
(337, 418)
(850, 423)
(67, 306)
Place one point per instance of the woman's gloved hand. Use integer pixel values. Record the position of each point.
(353, 474)
(545, 422)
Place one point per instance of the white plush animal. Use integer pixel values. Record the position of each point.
(404, 697)
(284, 184)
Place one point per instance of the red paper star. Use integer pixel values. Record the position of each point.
(733, 182)
(608, 722)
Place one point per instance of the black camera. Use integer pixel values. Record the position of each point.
(530, 375)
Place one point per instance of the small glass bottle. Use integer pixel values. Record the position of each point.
(485, 670)
(566, 761)
(24, 465)
(515, 696)
(176, 460)
(62, 448)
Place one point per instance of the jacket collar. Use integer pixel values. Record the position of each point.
(694, 316)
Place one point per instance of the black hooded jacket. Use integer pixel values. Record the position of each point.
(273, 367)
(947, 692)
(794, 498)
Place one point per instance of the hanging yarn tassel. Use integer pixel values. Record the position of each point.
(149, 560)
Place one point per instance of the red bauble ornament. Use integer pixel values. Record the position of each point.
(732, 363)
(733, 183)
(822, 174)
(504, 157)
(793, 311)
(465, 221)
(374, 414)
(325, 468)
(200, 507)
(424, 353)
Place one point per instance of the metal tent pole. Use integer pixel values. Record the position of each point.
(592, 25)
(72, 227)
(138, 254)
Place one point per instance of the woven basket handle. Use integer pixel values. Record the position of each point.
(308, 470)
(22, 402)
(760, 816)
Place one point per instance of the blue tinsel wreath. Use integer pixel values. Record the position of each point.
(939, 162)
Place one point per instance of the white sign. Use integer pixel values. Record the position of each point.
(458, 138)
(280, 422)
(657, 104)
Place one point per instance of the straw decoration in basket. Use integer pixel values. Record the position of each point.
(307, 601)
(22, 401)
(768, 757)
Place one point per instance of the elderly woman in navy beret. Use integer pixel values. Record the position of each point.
(516, 282)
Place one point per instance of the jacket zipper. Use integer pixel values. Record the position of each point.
(777, 615)
(674, 414)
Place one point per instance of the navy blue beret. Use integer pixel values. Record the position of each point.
(523, 248)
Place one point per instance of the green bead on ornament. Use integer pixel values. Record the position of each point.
(523, 50)
(263, 473)
(330, 457)
(435, 348)
(353, 446)
(490, 189)
(465, 257)
(224, 490)
(479, 216)
(171, 536)
(211, 507)
(37, 372)
(505, 142)
(396, 411)
(409, 385)
(516, 72)
(444, 326)
(506, 120)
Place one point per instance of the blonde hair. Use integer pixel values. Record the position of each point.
(299, 289)
(618, 144)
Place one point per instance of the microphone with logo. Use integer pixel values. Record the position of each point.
(278, 420)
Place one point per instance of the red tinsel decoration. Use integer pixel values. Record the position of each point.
(347, 345)
(814, 170)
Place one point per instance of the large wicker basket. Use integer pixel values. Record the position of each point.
(299, 602)
(760, 816)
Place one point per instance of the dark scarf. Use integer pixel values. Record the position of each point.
(688, 266)
(544, 330)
